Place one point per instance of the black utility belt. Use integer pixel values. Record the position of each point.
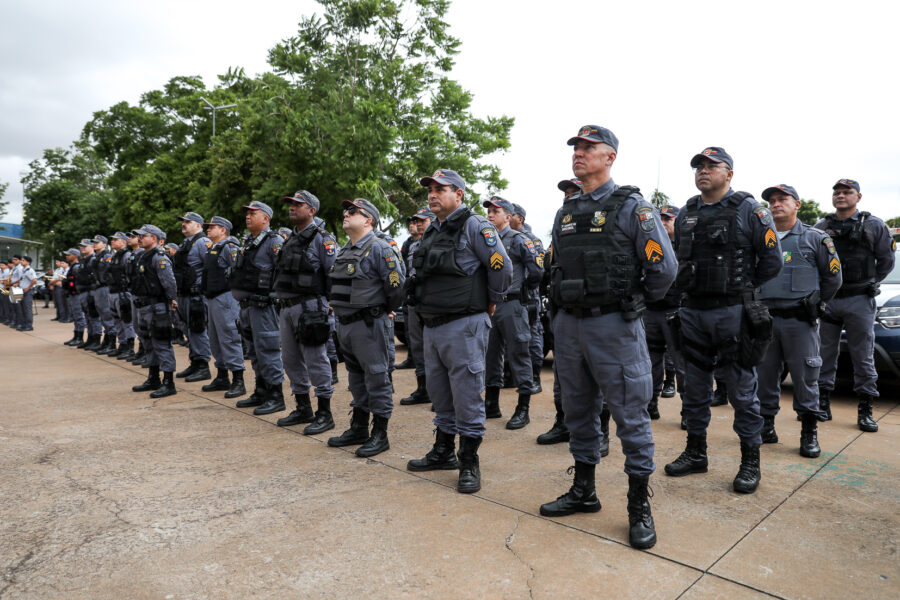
(97, 286)
(294, 301)
(583, 312)
(143, 301)
(215, 294)
(255, 300)
(705, 303)
(368, 315)
(439, 320)
(512, 296)
(870, 290)
(791, 312)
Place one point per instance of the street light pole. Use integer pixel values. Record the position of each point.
(210, 106)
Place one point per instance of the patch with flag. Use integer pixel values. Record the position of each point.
(162, 262)
(834, 266)
(490, 236)
(765, 217)
(771, 238)
(329, 247)
(653, 251)
(829, 243)
(394, 279)
(645, 216)
(786, 255)
(496, 261)
(599, 218)
(276, 248)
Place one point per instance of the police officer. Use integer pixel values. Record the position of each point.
(14, 276)
(366, 283)
(866, 252)
(510, 331)
(26, 281)
(57, 287)
(301, 272)
(609, 251)
(100, 294)
(84, 279)
(416, 228)
(224, 312)
(462, 272)
(119, 296)
(71, 288)
(155, 291)
(727, 247)
(810, 277)
(398, 255)
(419, 223)
(191, 304)
(660, 337)
(133, 251)
(533, 303)
(6, 310)
(251, 282)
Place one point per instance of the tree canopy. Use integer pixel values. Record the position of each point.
(357, 104)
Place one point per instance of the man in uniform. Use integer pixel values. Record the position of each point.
(26, 281)
(533, 305)
(57, 287)
(251, 281)
(155, 292)
(301, 272)
(810, 277)
(71, 288)
(119, 296)
(727, 247)
(510, 333)
(191, 305)
(866, 251)
(366, 283)
(419, 223)
(416, 227)
(15, 275)
(224, 312)
(660, 338)
(462, 272)
(136, 249)
(100, 294)
(85, 280)
(609, 252)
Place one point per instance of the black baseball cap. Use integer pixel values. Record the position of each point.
(445, 177)
(850, 183)
(715, 154)
(781, 187)
(565, 184)
(597, 135)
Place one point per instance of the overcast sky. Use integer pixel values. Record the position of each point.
(797, 92)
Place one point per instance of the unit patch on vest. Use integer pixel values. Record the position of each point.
(329, 247)
(653, 251)
(496, 261)
(829, 243)
(567, 228)
(765, 217)
(771, 239)
(599, 218)
(394, 279)
(786, 256)
(276, 248)
(567, 219)
(490, 236)
(351, 268)
(645, 216)
(834, 266)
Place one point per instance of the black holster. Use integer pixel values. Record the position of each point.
(92, 308)
(813, 307)
(196, 315)
(673, 322)
(632, 307)
(312, 327)
(124, 309)
(756, 334)
(161, 326)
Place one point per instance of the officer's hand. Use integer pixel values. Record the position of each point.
(174, 304)
(391, 315)
(491, 308)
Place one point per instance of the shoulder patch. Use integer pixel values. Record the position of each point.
(771, 238)
(329, 247)
(829, 243)
(276, 248)
(645, 217)
(765, 217)
(161, 262)
(234, 252)
(490, 236)
(653, 251)
(209, 244)
(530, 245)
(539, 259)
(894, 246)
(496, 261)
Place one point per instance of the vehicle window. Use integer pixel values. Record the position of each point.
(894, 276)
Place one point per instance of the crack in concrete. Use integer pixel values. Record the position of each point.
(9, 576)
(508, 543)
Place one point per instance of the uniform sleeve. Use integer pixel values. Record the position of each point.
(166, 275)
(388, 268)
(765, 242)
(202, 249)
(828, 264)
(326, 249)
(490, 253)
(651, 246)
(532, 260)
(883, 246)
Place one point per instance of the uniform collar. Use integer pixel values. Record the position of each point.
(363, 240)
(262, 233)
(797, 229)
(601, 192)
(437, 224)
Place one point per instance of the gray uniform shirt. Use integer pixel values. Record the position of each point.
(197, 255)
(817, 245)
(27, 276)
(380, 263)
(162, 266)
(524, 257)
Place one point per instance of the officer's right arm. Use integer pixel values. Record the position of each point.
(828, 264)
(883, 247)
(769, 261)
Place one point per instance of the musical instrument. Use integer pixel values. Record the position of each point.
(16, 294)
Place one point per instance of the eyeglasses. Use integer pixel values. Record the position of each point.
(353, 210)
(709, 167)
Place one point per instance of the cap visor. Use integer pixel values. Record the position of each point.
(698, 157)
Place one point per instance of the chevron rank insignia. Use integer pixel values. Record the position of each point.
(539, 259)
(394, 279)
(771, 239)
(653, 251)
(496, 261)
(834, 266)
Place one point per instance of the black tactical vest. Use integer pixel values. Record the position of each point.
(116, 277)
(442, 287)
(294, 273)
(853, 250)
(214, 280)
(131, 266)
(245, 275)
(85, 275)
(185, 275)
(71, 283)
(519, 275)
(718, 257)
(101, 267)
(592, 269)
(146, 283)
(348, 288)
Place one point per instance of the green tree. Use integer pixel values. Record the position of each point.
(895, 222)
(658, 198)
(3, 203)
(809, 212)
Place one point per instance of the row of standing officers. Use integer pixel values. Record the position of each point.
(748, 290)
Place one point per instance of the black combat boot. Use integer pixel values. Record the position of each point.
(825, 404)
(201, 372)
(77, 338)
(641, 532)
(809, 442)
(692, 460)
(419, 396)
(442, 456)
(492, 403)
(769, 435)
(111, 348)
(377, 442)
(653, 408)
(409, 363)
(101, 346)
(520, 416)
(274, 400)
(358, 432)
(89, 339)
(167, 388)
(536, 378)
(559, 433)
(668, 390)
(152, 382)
(581, 497)
(237, 388)
(604, 428)
(323, 420)
(93, 343)
(220, 383)
(747, 479)
(139, 355)
(191, 369)
(864, 414)
(469, 468)
(683, 418)
(302, 414)
(125, 348)
(720, 397)
(257, 398)
(334, 372)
